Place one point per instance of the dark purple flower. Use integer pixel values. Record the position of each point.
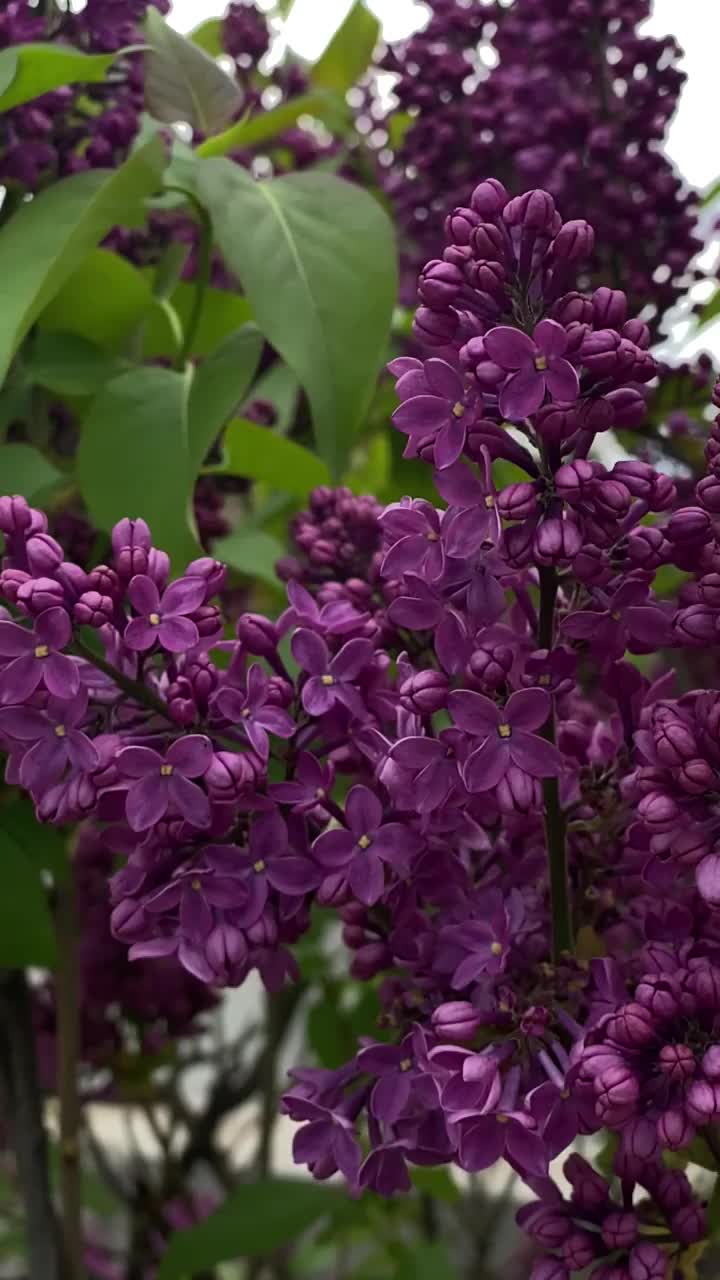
(507, 736)
(164, 782)
(385, 1171)
(412, 530)
(435, 405)
(163, 618)
(433, 764)
(253, 713)
(326, 1141)
(331, 680)
(361, 851)
(397, 1068)
(55, 737)
(536, 365)
(624, 617)
(35, 658)
(512, 1135)
(245, 876)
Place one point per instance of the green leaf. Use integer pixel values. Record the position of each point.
(48, 238)
(183, 82)
(133, 458)
(223, 313)
(26, 931)
(258, 453)
(25, 471)
(253, 553)
(280, 386)
(104, 301)
(349, 52)
(219, 388)
(208, 36)
(430, 1261)
(268, 124)
(44, 844)
(255, 1219)
(69, 365)
(38, 68)
(316, 258)
(710, 311)
(436, 1183)
(713, 1209)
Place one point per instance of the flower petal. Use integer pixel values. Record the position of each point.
(551, 338)
(562, 381)
(310, 652)
(143, 595)
(138, 762)
(508, 347)
(146, 801)
(443, 380)
(363, 811)
(183, 596)
(177, 634)
(189, 799)
(191, 755)
(421, 414)
(366, 877)
(522, 394)
(474, 713)
(536, 756)
(528, 708)
(486, 766)
(450, 442)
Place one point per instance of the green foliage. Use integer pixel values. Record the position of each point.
(222, 313)
(219, 389)
(255, 1219)
(134, 457)
(26, 930)
(349, 52)
(268, 124)
(428, 1261)
(104, 300)
(259, 453)
(316, 258)
(253, 553)
(710, 311)
(69, 365)
(29, 70)
(25, 471)
(183, 82)
(48, 238)
(208, 36)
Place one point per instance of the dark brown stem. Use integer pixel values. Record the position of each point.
(555, 834)
(68, 1036)
(23, 1116)
(133, 688)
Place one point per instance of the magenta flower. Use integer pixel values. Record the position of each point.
(331, 679)
(164, 782)
(36, 658)
(164, 617)
(55, 737)
(361, 851)
(397, 1069)
(436, 406)
(312, 784)
(326, 1141)
(254, 715)
(412, 530)
(536, 365)
(485, 1139)
(625, 617)
(244, 877)
(507, 736)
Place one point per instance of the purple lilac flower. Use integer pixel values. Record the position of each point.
(163, 618)
(536, 367)
(163, 781)
(507, 736)
(36, 658)
(331, 680)
(361, 851)
(55, 739)
(253, 713)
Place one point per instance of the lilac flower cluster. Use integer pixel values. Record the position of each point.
(65, 131)
(469, 745)
(568, 96)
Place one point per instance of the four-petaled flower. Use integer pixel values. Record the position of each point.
(35, 658)
(507, 736)
(361, 851)
(250, 710)
(536, 365)
(331, 679)
(164, 782)
(244, 877)
(436, 404)
(164, 617)
(55, 737)
(412, 530)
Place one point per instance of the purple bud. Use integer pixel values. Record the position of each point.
(44, 554)
(130, 534)
(439, 285)
(557, 539)
(16, 516)
(425, 692)
(691, 524)
(609, 308)
(489, 243)
(647, 1262)
(617, 1091)
(258, 635)
(370, 960)
(658, 995)
(702, 1101)
(459, 226)
(456, 1020)
(619, 1230)
(590, 1190)
(708, 493)
(435, 328)
(628, 407)
(572, 308)
(213, 572)
(553, 423)
(93, 609)
(105, 580)
(574, 240)
(38, 594)
(534, 211)
(632, 1026)
(11, 580)
(696, 625)
(489, 198)
(230, 773)
(573, 480)
(688, 1224)
(578, 1250)
(674, 1129)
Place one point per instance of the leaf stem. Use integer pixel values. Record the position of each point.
(202, 280)
(24, 1117)
(68, 1053)
(133, 688)
(555, 829)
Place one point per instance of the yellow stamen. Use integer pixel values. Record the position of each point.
(544, 679)
(154, 618)
(496, 948)
(541, 363)
(259, 866)
(60, 730)
(406, 1064)
(165, 770)
(489, 501)
(458, 409)
(364, 842)
(504, 730)
(502, 1119)
(328, 680)
(41, 651)
(196, 885)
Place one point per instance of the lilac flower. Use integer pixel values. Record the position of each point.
(512, 1135)
(35, 658)
(361, 851)
(623, 618)
(433, 762)
(326, 1141)
(435, 405)
(384, 1170)
(245, 876)
(164, 782)
(311, 785)
(507, 736)
(412, 530)
(536, 366)
(337, 617)
(331, 679)
(485, 942)
(55, 737)
(253, 713)
(163, 618)
(398, 1070)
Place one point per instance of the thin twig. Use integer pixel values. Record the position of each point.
(23, 1115)
(68, 1034)
(562, 937)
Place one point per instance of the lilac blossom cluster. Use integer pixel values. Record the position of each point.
(563, 94)
(462, 735)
